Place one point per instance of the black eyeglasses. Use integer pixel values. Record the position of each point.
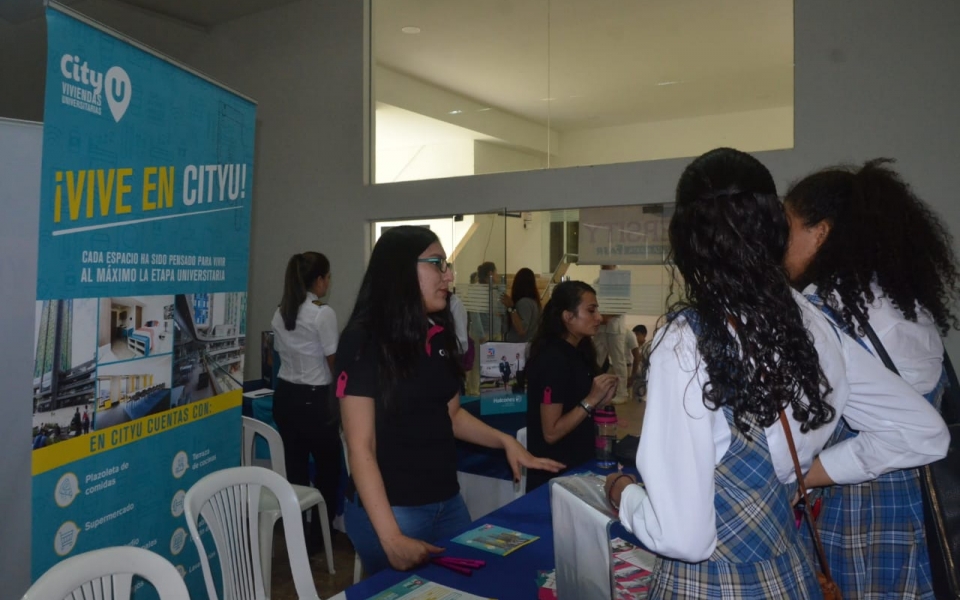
(440, 263)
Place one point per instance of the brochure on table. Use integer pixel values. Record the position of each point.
(146, 191)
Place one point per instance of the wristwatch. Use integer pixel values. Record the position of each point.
(510, 309)
(586, 406)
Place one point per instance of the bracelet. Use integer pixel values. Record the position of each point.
(586, 406)
(612, 485)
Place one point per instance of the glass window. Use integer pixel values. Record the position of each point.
(461, 87)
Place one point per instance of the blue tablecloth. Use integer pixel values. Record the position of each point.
(488, 462)
(503, 577)
(511, 577)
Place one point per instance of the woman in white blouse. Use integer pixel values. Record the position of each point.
(867, 250)
(742, 347)
(306, 337)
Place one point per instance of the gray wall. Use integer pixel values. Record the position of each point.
(20, 144)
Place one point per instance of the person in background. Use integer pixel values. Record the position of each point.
(741, 356)
(464, 344)
(610, 348)
(305, 337)
(398, 380)
(479, 327)
(564, 385)
(523, 307)
(861, 242)
(459, 313)
(85, 421)
(631, 352)
(642, 362)
(505, 371)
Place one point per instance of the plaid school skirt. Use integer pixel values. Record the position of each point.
(873, 532)
(758, 553)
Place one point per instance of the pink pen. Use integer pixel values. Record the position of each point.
(453, 567)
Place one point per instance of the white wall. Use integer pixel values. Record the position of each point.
(20, 144)
(750, 131)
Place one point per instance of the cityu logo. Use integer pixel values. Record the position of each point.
(84, 87)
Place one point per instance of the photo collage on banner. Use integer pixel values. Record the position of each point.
(140, 327)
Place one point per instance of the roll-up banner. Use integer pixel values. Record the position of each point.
(147, 178)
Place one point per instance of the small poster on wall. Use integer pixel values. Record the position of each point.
(502, 377)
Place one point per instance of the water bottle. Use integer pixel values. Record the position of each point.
(605, 421)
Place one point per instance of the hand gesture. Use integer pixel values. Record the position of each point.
(603, 388)
(405, 553)
(518, 457)
(506, 300)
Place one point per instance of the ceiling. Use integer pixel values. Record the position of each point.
(583, 65)
(197, 13)
(571, 64)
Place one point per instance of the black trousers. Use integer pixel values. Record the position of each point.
(306, 421)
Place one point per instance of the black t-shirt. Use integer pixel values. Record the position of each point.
(558, 375)
(416, 450)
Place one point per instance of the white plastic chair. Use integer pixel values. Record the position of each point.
(522, 486)
(107, 574)
(307, 496)
(229, 502)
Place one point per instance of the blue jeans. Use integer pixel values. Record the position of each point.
(429, 522)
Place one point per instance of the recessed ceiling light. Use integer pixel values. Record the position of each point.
(547, 99)
(410, 29)
(485, 109)
(455, 112)
(663, 83)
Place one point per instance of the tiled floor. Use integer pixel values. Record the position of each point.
(630, 421)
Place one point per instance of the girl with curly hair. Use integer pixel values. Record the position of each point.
(872, 254)
(740, 349)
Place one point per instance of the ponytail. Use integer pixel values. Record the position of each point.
(302, 271)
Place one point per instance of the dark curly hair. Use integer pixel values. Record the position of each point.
(879, 230)
(728, 237)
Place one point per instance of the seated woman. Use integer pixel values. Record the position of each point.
(742, 351)
(563, 385)
(398, 380)
(523, 307)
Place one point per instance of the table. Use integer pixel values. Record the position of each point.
(486, 481)
(511, 577)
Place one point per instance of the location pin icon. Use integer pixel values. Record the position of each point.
(118, 91)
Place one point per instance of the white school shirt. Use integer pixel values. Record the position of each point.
(304, 351)
(459, 312)
(915, 348)
(683, 441)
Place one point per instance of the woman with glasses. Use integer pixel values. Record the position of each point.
(741, 355)
(305, 337)
(861, 242)
(398, 380)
